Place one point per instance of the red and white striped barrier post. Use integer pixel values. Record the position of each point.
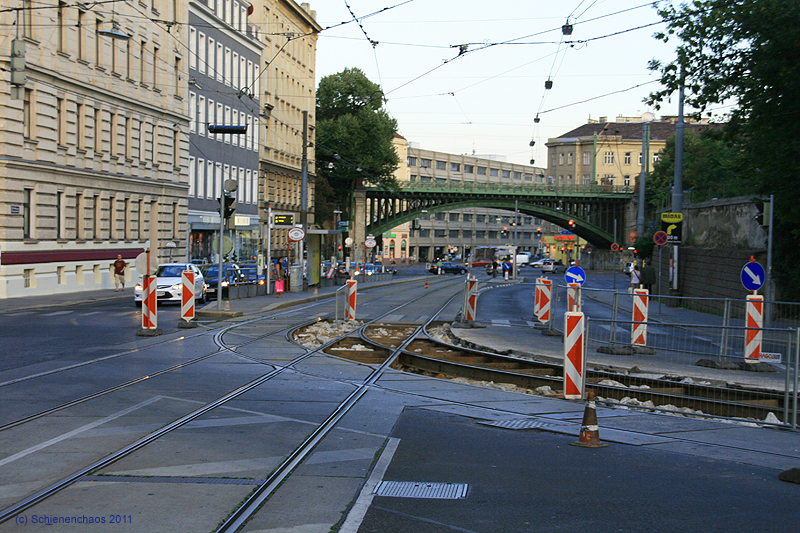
(352, 289)
(753, 334)
(536, 297)
(149, 311)
(545, 297)
(574, 360)
(574, 297)
(639, 329)
(187, 299)
(470, 298)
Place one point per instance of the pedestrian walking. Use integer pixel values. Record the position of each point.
(495, 268)
(119, 273)
(635, 278)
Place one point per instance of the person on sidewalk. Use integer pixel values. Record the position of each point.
(119, 273)
(635, 278)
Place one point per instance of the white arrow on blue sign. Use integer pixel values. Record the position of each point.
(753, 276)
(575, 275)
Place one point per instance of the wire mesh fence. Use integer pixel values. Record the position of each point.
(698, 343)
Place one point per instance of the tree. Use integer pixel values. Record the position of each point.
(745, 52)
(708, 169)
(353, 139)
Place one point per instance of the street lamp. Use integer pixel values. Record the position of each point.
(647, 118)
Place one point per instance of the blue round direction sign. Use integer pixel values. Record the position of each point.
(753, 276)
(575, 275)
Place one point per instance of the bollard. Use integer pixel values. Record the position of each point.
(187, 300)
(574, 360)
(574, 297)
(350, 309)
(545, 297)
(753, 334)
(639, 329)
(536, 298)
(149, 308)
(470, 298)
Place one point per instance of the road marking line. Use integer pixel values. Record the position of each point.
(359, 509)
(74, 432)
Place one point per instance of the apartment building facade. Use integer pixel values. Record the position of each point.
(223, 83)
(288, 104)
(607, 152)
(94, 143)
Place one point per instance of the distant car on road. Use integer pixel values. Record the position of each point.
(448, 267)
(170, 284)
(628, 268)
(551, 265)
(230, 274)
(539, 262)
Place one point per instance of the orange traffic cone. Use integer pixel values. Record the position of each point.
(590, 431)
(426, 284)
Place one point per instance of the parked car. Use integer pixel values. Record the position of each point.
(448, 267)
(551, 265)
(231, 273)
(170, 284)
(251, 275)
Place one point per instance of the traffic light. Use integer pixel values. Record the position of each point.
(18, 76)
(571, 223)
(230, 206)
(563, 248)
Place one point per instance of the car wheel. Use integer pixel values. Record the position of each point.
(202, 298)
(138, 304)
(462, 271)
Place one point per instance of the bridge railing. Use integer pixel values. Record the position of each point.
(526, 187)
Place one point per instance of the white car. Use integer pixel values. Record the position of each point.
(170, 284)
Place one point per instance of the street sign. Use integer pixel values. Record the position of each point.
(753, 276)
(614, 247)
(141, 265)
(660, 238)
(672, 224)
(296, 234)
(632, 236)
(370, 243)
(575, 275)
(343, 223)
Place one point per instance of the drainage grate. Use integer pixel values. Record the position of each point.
(415, 489)
(519, 423)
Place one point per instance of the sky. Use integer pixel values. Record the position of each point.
(484, 101)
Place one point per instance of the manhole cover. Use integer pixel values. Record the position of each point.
(518, 423)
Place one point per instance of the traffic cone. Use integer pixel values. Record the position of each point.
(426, 284)
(590, 431)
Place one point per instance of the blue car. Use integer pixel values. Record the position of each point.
(231, 273)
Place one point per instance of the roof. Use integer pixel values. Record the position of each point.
(630, 130)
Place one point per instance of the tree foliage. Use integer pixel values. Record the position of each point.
(709, 163)
(353, 139)
(744, 53)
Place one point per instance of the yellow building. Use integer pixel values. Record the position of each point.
(289, 33)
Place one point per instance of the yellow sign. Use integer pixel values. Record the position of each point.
(672, 217)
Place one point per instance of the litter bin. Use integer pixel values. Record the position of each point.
(296, 278)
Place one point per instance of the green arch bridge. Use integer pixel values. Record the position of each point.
(594, 208)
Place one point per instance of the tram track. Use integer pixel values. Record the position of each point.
(156, 372)
(435, 358)
(292, 458)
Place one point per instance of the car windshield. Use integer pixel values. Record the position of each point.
(211, 271)
(170, 271)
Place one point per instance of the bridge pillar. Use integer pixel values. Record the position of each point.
(359, 221)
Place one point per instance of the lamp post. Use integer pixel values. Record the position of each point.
(336, 214)
(647, 118)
